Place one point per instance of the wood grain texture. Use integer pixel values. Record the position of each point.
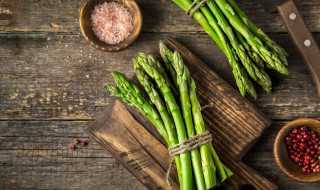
(299, 33)
(148, 159)
(50, 90)
(233, 121)
(35, 16)
(36, 154)
(132, 145)
(64, 78)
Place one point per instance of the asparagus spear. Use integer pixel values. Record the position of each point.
(151, 59)
(182, 81)
(252, 54)
(242, 81)
(257, 31)
(258, 74)
(224, 171)
(132, 95)
(201, 19)
(158, 102)
(186, 170)
(168, 59)
(184, 78)
(271, 59)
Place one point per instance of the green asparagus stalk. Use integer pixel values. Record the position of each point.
(258, 74)
(242, 81)
(201, 19)
(252, 54)
(186, 168)
(183, 76)
(271, 59)
(168, 59)
(223, 171)
(160, 105)
(208, 167)
(257, 31)
(214, 161)
(151, 59)
(133, 96)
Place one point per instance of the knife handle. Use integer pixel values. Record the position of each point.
(302, 38)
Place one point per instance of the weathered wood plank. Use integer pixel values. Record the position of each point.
(43, 159)
(37, 155)
(35, 16)
(64, 78)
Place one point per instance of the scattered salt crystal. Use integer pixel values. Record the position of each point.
(87, 76)
(66, 45)
(90, 56)
(48, 38)
(111, 22)
(80, 61)
(95, 58)
(81, 55)
(68, 56)
(47, 46)
(102, 62)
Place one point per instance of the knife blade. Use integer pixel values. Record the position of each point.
(299, 33)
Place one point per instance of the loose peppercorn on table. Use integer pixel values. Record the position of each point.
(52, 89)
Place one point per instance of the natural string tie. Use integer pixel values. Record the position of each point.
(183, 147)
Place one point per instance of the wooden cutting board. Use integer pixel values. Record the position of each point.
(234, 122)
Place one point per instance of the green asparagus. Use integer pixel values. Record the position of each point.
(133, 96)
(186, 168)
(258, 32)
(183, 76)
(273, 61)
(160, 105)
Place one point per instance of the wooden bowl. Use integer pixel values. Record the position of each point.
(86, 28)
(288, 166)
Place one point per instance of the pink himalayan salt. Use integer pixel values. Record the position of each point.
(111, 22)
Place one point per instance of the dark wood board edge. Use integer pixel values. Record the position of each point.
(161, 160)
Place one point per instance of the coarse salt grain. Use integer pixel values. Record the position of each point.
(111, 22)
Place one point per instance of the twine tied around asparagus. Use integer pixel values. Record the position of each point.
(195, 6)
(183, 147)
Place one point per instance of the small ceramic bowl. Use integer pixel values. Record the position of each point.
(86, 28)
(288, 166)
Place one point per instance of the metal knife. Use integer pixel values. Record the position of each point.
(299, 33)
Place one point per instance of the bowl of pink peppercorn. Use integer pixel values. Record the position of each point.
(110, 25)
(297, 150)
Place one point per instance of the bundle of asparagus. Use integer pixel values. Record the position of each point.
(175, 111)
(246, 47)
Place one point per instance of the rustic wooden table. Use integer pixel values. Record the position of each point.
(52, 89)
